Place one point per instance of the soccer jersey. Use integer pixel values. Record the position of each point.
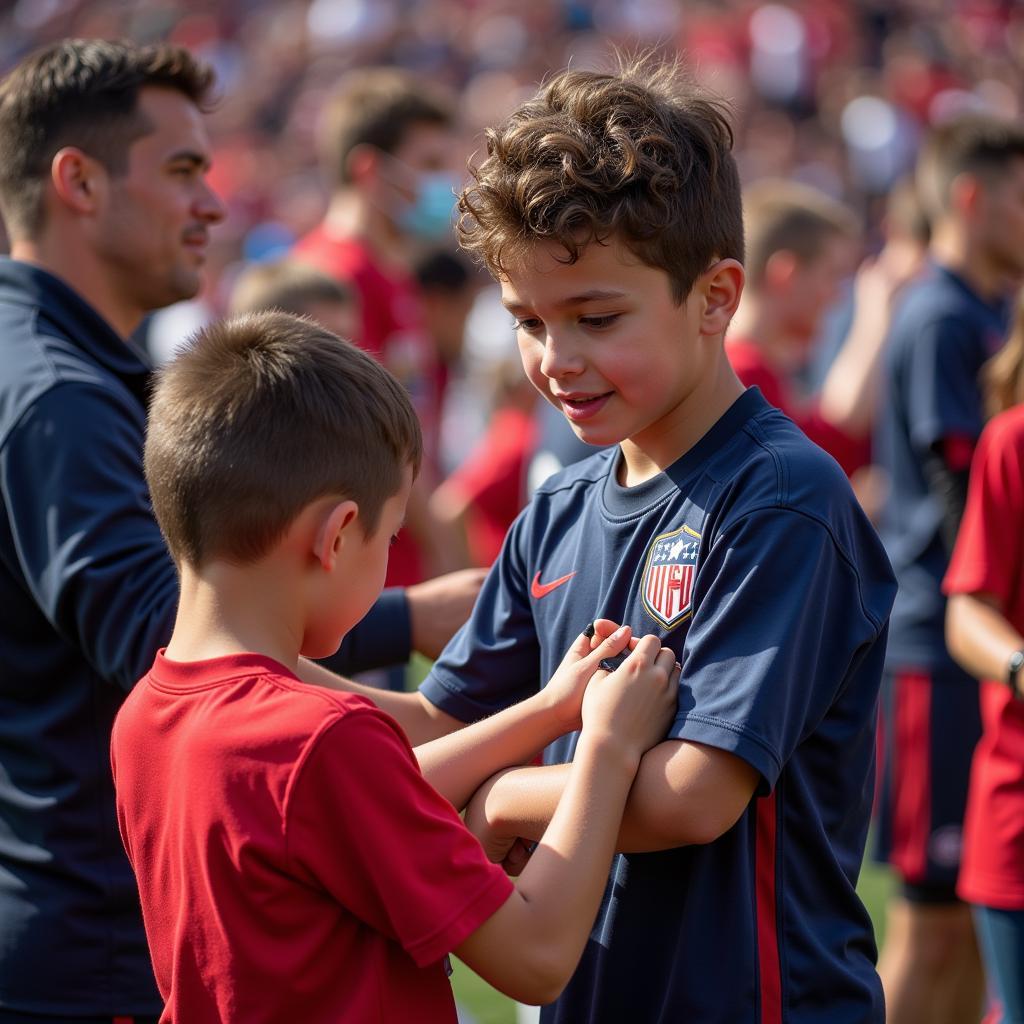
(989, 558)
(293, 863)
(753, 370)
(941, 334)
(751, 559)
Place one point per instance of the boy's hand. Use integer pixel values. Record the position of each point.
(634, 705)
(565, 690)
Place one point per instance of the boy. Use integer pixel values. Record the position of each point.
(293, 863)
(608, 208)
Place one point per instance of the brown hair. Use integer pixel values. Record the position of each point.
(784, 215)
(640, 155)
(261, 415)
(287, 285)
(375, 107)
(84, 93)
(1002, 377)
(976, 144)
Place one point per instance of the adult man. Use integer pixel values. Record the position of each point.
(103, 157)
(971, 182)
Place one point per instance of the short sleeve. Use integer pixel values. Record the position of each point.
(988, 549)
(363, 824)
(493, 661)
(773, 637)
(941, 383)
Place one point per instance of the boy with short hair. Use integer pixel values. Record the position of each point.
(608, 208)
(293, 863)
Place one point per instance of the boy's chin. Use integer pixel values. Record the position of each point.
(317, 648)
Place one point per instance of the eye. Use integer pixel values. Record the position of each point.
(598, 323)
(530, 324)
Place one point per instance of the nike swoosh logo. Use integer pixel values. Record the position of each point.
(538, 589)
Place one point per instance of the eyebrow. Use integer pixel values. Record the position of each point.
(594, 295)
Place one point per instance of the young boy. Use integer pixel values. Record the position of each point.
(608, 208)
(293, 863)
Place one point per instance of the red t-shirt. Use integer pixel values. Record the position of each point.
(392, 328)
(747, 360)
(989, 557)
(493, 479)
(293, 863)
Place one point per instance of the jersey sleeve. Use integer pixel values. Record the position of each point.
(988, 547)
(493, 661)
(778, 630)
(87, 544)
(942, 394)
(363, 824)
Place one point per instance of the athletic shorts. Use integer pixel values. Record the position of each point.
(930, 721)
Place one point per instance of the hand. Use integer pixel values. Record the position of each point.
(438, 607)
(635, 704)
(582, 660)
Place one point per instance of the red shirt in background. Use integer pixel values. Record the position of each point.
(393, 330)
(852, 453)
(293, 863)
(989, 558)
(493, 481)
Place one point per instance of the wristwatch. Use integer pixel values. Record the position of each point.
(1013, 669)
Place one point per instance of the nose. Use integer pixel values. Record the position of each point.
(561, 358)
(208, 206)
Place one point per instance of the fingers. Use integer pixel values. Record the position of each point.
(610, 645)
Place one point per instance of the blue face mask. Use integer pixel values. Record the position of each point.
(429, 216)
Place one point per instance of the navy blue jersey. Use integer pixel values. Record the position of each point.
(941, 335)
(750, 558)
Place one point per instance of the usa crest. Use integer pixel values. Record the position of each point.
(666, 586)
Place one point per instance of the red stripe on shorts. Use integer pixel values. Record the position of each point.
(769, 969)
(911, 778)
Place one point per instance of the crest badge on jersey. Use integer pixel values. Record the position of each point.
(666, 586)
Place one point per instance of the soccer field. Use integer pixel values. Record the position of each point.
(490, 1007)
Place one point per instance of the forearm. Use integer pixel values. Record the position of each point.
(849, 394)
(420, 720)
(552, 909)
(684, 794)
(458, 763)
(979, 636)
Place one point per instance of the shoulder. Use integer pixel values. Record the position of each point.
(1005, 431)
(577, 478)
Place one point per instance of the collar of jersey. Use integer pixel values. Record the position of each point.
(622, 501)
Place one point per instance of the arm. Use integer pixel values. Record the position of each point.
(979, 636)
(684, 793)
(458, 763)
(531, 945)
(849, 394)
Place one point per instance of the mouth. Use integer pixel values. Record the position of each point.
(579, 407)
(196, 242)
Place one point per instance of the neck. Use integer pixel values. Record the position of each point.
(78, 267)
(757, 322)
(953, 247)
(646, 455)
(226, 609)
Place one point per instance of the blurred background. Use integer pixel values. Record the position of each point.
(833, 93)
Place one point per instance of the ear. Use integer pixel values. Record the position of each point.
(337, 521)
(964, 194)
(361, 163)
(722, 287)
(79, 180)
(779, 270)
